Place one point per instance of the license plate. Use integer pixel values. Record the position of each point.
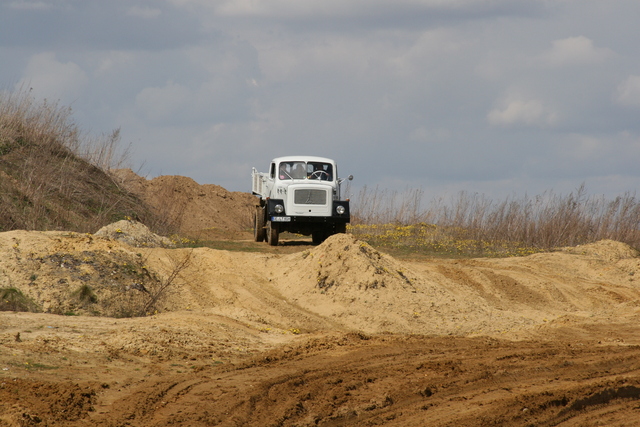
(281, 218)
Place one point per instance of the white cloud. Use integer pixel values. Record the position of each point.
(53, 79)
(587, 154)
(422, 134)
(161, 103)
(29, 5)
(578, 149)
(574, 51)
(340, 9)
(113, 61)
(629, 92)
(530, 112)
(144, 12)
(289, 8)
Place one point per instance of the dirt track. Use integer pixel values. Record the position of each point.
(330, 335)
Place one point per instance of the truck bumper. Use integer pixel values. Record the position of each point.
(335, 218)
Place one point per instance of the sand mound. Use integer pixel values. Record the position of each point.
(344, 262)
(358, 287)
(70, 273)
(200, 211)
(134, 234)
(609, 250)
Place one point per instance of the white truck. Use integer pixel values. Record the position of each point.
(299, 194)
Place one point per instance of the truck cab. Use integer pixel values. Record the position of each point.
(299, 194)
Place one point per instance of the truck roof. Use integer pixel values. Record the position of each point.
(303, 159)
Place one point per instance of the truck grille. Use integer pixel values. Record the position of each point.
(310, 197)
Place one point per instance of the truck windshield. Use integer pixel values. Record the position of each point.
(305, 170)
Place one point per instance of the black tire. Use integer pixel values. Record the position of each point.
(318, 236)
(341, 227)
(273, 233)
(259, 233)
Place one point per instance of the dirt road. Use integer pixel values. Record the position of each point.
(331, 335)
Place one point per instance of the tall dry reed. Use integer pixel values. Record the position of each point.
(542, 222)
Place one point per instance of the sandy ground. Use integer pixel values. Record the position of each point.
(332, 335)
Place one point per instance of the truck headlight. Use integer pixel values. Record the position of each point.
(340, 209)
(278, 208)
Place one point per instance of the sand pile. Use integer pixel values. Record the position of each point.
(134, 234)
(200, 211)
(609, 250)
(76, 274)
(360, 288)
(344, 262)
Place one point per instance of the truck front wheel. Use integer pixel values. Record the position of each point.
(259, 233)
(318, 236)
(272, 234)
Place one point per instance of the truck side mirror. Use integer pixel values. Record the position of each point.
(341, 180)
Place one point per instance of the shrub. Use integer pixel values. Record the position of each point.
(85, 295)
(12, 299)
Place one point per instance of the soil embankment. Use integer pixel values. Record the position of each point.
(201, 211)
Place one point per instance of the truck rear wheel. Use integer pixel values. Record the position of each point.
(259, 233)
(273, 233)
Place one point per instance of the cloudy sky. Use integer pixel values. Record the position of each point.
(499, 97)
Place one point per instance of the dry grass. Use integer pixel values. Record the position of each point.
(148, 293)
(12, 299)
(53, 177)
(474, 225)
